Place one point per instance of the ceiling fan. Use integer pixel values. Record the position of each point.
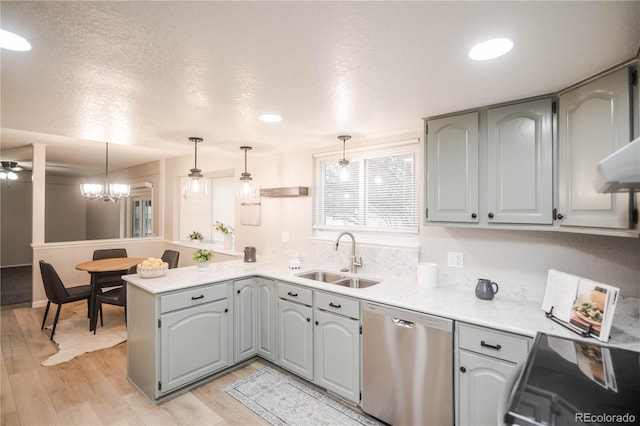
(9, 169)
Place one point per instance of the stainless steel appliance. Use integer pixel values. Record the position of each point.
(567, 381)
(407, 366)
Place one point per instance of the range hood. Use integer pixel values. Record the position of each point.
(620, 171)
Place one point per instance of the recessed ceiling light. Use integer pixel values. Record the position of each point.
(490, 49)
(270, 118)
(11, 41)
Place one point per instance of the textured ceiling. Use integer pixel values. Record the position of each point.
(151, 74)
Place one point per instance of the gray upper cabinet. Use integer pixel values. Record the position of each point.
(520, 163)
(452, 167)
(594, 121)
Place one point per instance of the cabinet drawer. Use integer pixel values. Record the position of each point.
(295, 293)
(338, 304)
(196, 296)
(498, 344)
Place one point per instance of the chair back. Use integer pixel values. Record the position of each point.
(109, 253)
(171, 257)
(53, 285)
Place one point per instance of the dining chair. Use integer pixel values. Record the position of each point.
(59, 294)
(115, 296)
(108, 279)
(171, 257)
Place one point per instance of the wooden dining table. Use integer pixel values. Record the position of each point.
(95, 267)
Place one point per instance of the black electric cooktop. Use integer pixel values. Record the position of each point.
(568, 382)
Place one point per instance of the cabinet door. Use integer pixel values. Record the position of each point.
(594, 121)
(245, 324)
(452, 169)
(295, 336)
(194, 343)
(337, 354)
(520, 163)
(481, 381)
(267, 348)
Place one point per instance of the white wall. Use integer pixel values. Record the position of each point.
(523, 258)
(512, 258)
(65, 210)
(15, 219)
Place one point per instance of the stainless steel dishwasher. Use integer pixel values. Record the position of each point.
(407, 366)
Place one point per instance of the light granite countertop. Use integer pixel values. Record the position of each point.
(517, 316)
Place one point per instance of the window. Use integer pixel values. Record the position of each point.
(381, 193)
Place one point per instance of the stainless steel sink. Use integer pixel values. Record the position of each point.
(325, 277)
(338, 279)
(355, 282)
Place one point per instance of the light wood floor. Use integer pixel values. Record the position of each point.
(92, 389)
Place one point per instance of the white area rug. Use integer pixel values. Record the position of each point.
(281, 400)
(74, 338)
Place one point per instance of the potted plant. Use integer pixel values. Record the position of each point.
(203, 257)
(196, 237)
(227, 231)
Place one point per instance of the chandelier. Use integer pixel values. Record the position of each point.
(107, 192)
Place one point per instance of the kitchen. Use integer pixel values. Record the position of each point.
(517, 259)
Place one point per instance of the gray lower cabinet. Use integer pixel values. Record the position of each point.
(295, 329)
(177, 338)
(254, 319)
(245, 319)
(194, 344)
(337, 345)
(267, 347)
(485, 359)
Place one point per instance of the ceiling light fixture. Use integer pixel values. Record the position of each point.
(247, 190)
(270, 118)
(344, 163)
(107, 192)
(490, 49)
(11, 41)
(8, 170)
(196, 187)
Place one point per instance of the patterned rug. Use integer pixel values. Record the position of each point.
(281, 400)
(74, 338)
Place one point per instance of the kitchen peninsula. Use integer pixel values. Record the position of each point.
(174, 321)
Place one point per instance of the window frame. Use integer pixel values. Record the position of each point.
(374, 234)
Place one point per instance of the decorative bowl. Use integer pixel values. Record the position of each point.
(152, 271)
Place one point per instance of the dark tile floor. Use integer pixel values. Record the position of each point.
(15, 285)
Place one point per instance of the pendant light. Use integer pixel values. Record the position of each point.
(196, 187)
(247, 190)
(344, 163)
(107, 192)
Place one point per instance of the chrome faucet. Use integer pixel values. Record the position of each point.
(355, 262)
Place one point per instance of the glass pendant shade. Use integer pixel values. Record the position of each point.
(247, 191)
(195, 189)
(108, 192)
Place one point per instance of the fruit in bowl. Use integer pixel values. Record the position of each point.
(152, 267)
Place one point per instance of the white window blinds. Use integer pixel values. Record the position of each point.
(381, 193)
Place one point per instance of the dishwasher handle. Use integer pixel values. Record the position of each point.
(403, 323)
